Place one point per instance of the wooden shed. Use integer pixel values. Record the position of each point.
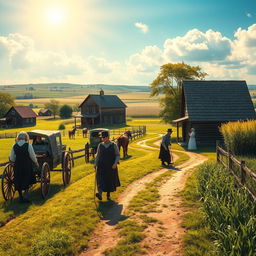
(20, 116)
(101, 109)
(45, 112)
(207, 104)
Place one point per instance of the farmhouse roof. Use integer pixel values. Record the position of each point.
(23, 111)
(217, 100)
(44, 110)
(106, 101)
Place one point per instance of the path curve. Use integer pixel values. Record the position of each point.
(106, 235)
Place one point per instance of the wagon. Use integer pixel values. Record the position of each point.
(94, 141)
(50, 153)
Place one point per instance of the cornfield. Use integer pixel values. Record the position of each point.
(240, 137)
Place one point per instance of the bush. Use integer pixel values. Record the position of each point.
(66, 111)
(61, 127)
(51, 243)
(240, 137)
(230, 212)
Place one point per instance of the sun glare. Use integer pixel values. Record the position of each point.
(55, 16)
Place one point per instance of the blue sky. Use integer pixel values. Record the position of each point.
(124, 42)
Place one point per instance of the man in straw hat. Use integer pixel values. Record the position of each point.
(23, 157)
(106, 162)
(164, 154)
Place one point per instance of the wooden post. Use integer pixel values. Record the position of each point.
(177, 132)
(243, 173)
(230, 163)
(72, 157)
(217, 151)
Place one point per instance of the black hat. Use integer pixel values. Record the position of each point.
(169, 130)
(104, 134)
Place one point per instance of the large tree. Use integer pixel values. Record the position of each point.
(6, 102)
(66, 111)
(54, 106)
(169, 83)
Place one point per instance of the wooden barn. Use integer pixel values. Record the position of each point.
(101, 109)
(20, 116)
(208, 104)
(45, 112)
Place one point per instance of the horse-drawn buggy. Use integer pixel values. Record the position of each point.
(50, 153)
(94, 140)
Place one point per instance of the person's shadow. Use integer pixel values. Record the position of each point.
(111, 212)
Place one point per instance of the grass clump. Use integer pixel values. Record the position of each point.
(240, 137)
(52, 243)
(230, 211)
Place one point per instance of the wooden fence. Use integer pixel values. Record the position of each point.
(243, 175)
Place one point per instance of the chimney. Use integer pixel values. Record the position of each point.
(101, 92)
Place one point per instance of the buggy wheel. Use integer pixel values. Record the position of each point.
(8, 189)
(45, 179)
(66, 169)
(87, 154)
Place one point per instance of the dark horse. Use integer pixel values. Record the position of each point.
(71, 133)
(123, 141)
(85, 131)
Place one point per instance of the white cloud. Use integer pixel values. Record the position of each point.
(143, 27)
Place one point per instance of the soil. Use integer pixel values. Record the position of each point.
(161, 239)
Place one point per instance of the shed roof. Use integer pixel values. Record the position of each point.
(23, 111)
(218, 100)
(106, 101)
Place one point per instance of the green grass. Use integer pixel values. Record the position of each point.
(71, 208)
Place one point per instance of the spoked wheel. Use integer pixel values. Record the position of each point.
(45, 179)
(87, 154)
(66, 169)
(8, 189)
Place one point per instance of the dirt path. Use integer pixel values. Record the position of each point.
(169, 213)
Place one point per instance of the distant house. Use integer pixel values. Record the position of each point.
(45, 112)
(99, 110)
(20, 116)
(208, 104)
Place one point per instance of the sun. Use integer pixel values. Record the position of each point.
(55, 15)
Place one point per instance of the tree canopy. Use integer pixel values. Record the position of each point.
(169, 83)
(54, 106)
(6, 102)
(66, 111)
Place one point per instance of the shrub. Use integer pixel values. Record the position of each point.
(240, 137)
(51, 243)
(61, 127)
(66, 111)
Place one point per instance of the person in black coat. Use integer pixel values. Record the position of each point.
(23, 157)
(105, 165)
(164, 154)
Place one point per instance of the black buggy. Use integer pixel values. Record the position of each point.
(50, 153)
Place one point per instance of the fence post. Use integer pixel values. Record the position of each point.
(72, 157)
(243, 173)
(217, 151)
(230, 163)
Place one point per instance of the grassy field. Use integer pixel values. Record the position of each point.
(69, 212)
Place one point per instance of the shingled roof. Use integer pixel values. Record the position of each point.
(217, 100)
(106, 101)
(23, 111)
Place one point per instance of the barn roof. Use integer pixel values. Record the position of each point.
(217, 100)
(106, 101)
(23, 111)
(44, 110)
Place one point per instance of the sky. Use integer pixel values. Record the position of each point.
(124, 41)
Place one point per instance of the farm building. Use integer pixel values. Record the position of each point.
(20, 116)
(45, 112)
(101, 109)
(207, 104)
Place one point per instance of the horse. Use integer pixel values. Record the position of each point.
(85, 131)
(123, 141)
(71, 133)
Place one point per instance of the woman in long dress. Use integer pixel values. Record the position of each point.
(192, 140)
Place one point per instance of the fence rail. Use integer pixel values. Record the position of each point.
(243, 174)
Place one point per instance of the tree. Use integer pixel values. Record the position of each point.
(66, 111)
(54, 106)
(6, 102)
(169, 83)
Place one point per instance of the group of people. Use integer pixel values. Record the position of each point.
(106, 161)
